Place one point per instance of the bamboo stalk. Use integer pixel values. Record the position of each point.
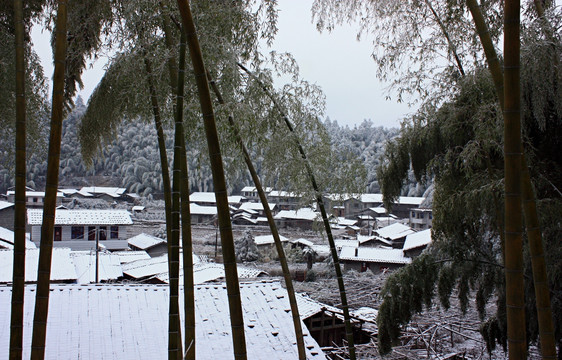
(49, 207)
(272, 227)
(18, 280)
(219, 183)
(320, 203)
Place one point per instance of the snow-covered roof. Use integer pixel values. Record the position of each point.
(33, 193)
(202, 210)
(5, 204)
(138, 208)
(300, 214)
(368, 254)
(82, 217)
(209, 197)
(205, 272)
(371, 198)
(309, 307)
(268, 239)
(149, 267)
(145, 241)
(378, 210)
(111, 191)
(415, 240)
(253, 188)
(131, 322)
(7, 239)
(283, 194)
(410, 200)
(394, 231)
(130, 256)
(75, 191)
(255, 206)
(345, 222)
(109, 267)
(303, 242)
(62, 268)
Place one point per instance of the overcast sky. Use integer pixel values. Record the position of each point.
(335, 61)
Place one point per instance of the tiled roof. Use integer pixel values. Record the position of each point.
(7, 238)
(300, 214)
(62, 268)
(130, 256)
(394, 231)
(415, 240)
(254, 206)
(368, 254)
(145, 241)
(131, 322)
(111, 191)
(205, 271)
(202, 210)
(82, 217)
(109, 267)
(268, 239)
(209, 197)
(5, 204)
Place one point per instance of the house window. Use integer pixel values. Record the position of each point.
(35, 200)
(114, 234)
(414, 214)
(103, 232)
(91, 233)
(430, 216)
(77, 233)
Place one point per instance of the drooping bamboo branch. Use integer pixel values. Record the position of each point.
(540, 278)
(47, 229)
(219, 183)
(320, 203)
(18, 279)
(452, 46)
(277, 240)
(161, 147)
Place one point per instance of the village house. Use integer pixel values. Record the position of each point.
(375, 259)
(301, 218)
(7, 239)
(203, 214)
(131, 322)
(34, 199)
(251, 193)
(79, 229)
(356, 206)
(394, 234)
(416, 243)
(267, 241)
(285, 200)
(7, 210)
(421, 218)
(209, 199)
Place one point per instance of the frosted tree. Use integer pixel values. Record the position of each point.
(246, 248)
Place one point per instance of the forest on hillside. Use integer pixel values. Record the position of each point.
(132, 160)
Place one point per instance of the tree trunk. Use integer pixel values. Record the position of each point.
(46, 250)
(320, 202)
(515, 297)
(18, 280)
(279, 246)
(219, 183)
(540, 278)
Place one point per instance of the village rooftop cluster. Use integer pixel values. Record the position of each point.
(127, 272)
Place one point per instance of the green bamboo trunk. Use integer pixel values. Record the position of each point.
(542, 293)
(18, 280)
(219, 183)
(280, 251)
(515, 297)
(325, 220)
(45, 254)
